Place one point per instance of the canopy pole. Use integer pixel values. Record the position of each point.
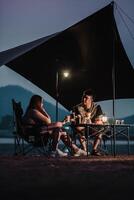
(113, 77)
(57, 96)
(113, 106)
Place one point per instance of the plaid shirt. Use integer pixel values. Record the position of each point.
(95, 111)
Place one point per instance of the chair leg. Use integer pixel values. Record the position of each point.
(18, 147)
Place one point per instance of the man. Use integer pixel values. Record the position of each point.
(88, 112)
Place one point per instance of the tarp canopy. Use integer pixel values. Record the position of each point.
(91, 50)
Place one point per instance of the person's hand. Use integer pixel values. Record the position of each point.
(99, 121)
(88, 115)
(59, 124)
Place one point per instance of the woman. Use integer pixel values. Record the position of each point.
(38, 119)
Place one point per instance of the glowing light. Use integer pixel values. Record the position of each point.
(66, 74)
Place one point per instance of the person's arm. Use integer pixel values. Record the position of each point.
(55, 125)
(41, 117)
(44, 112)
(99, 112)
(46, 120)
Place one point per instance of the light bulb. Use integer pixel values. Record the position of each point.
(66, 74)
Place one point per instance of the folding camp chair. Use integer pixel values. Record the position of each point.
(25, 143)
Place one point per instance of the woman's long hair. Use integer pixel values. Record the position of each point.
(35, 101)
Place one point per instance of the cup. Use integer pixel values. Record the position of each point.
(117, 121)
(122, 121)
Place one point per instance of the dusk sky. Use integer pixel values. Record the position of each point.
(28, 20)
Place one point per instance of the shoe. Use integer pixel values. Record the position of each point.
(80, 152)
(96, 153)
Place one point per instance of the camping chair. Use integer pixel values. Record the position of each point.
(25, 143)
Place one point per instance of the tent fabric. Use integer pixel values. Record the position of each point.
(90, 49)
(10, 54)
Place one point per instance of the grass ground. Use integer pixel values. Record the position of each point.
(38, 177)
